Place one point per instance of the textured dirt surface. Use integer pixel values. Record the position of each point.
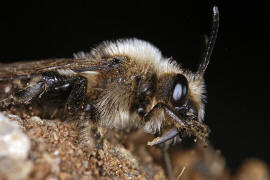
(55, 153)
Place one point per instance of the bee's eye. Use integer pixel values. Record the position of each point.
(179, 90)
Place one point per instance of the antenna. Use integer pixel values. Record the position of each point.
(211, 43)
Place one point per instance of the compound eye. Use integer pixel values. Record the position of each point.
(180, 90)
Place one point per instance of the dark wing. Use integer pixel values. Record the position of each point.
(25, 70)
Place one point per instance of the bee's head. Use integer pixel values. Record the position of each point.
(177, 107)
(179, 98)
(183, 98)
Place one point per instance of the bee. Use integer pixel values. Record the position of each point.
(119, 84)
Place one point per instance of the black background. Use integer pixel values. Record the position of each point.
(237, 77)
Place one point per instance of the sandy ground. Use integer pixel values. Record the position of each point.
(54, 152)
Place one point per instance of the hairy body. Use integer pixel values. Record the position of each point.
(117, 84)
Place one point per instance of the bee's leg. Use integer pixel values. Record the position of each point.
(24, 96)
(38, 86)
(166, 157)
(83, 112)
(89, 132)
(85, 123)
(162, 142)
(164, 148)
(77, 107)
(161, 106)
(76, 101)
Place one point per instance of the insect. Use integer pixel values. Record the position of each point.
(119, 84)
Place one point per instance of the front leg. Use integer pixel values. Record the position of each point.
(190, 127)
(148, 117)
(162, 107)
(167, 160)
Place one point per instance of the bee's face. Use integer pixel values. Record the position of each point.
(181, 100)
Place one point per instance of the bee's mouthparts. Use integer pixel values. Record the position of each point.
(167, 136)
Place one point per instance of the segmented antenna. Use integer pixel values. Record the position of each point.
(211, 43)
